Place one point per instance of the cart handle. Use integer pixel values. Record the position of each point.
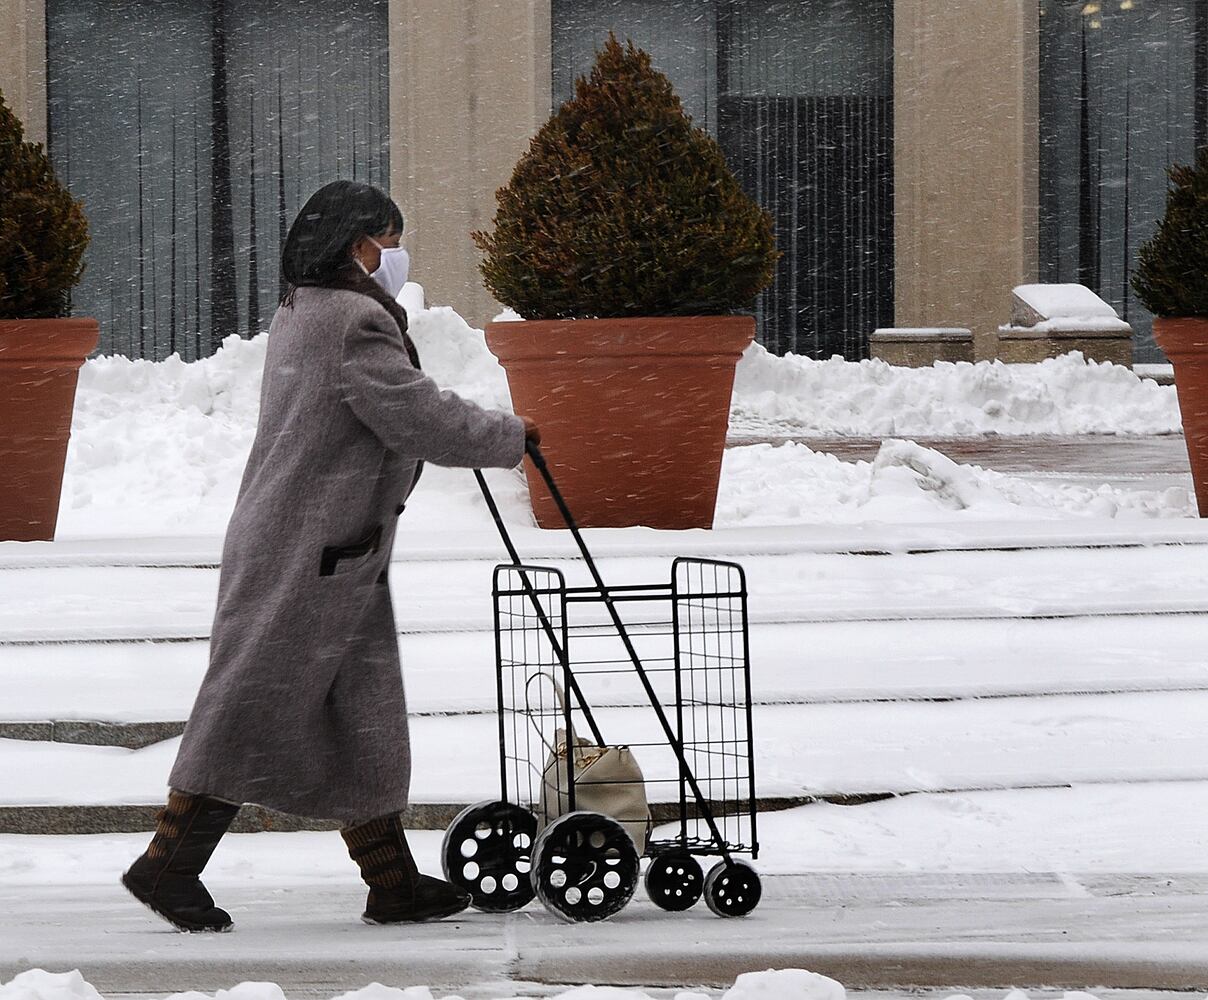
(533, 450)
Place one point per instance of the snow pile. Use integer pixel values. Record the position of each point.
(39, 985)
(784, 984)
(1066, 395)
(456, 355)
(790, 484)
(160, 448)
(775, 984)
(161, 444)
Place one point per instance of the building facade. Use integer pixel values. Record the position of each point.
(919, 158)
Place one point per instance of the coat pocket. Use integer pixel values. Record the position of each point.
(337, 559)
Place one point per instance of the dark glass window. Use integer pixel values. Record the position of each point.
(1121, 99)
(193, 131)
(799, 94)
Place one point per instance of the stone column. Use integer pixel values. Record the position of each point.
(23, 63)
(470, 84)
(966, 161)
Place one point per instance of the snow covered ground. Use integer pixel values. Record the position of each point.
(159, 447)
(950, 663)
(1032, 880)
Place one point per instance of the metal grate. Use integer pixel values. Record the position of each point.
(690, 637)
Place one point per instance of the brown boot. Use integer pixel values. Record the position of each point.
(397, 891)
(165, 878)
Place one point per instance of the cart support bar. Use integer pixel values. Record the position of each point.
(559, 652)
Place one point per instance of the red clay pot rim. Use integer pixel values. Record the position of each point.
(666, 336)
(1181, 336)
(66, 340)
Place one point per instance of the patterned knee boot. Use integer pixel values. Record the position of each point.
(397, 890)
(165, 878)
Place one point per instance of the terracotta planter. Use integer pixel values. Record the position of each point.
(633, 412)
(1184, 341)
(40, 362)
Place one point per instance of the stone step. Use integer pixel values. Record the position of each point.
(137, 735)
(119, 693)
(95, 819)
(542, 545)
(83, 732)
(65, 820)
(117, 604)
(854, 749)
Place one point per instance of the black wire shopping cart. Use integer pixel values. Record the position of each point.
(679, 648)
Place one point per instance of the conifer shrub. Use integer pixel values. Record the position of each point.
(43, 232)
(622, 207)
(1172, 270)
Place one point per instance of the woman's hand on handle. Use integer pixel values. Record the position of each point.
(531, 431)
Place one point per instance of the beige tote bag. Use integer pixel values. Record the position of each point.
(608, 780)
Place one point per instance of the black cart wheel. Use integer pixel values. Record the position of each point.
(674, 881)
(487, 851)
(585, 867)
(732, 890)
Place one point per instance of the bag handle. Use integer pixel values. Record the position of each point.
(561, 696)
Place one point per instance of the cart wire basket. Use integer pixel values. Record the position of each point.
(624, 725)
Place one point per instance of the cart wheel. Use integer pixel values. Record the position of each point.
(732, 890)
(487, 851)
(585, 867)
(673, 881)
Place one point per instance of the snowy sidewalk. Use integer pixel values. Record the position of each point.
(1062, 888)
(1040, 930)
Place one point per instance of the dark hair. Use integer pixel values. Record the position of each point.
(318, 248)
(320, 241)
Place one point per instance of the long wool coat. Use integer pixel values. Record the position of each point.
(302, 707)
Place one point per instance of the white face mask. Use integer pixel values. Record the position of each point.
(392, 271)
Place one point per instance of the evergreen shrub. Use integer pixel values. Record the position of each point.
(1172, 271)
(43, 232)
(622, 207)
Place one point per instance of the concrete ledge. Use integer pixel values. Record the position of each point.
(1022, 345)
(959, 965)
(36, 732)
(131, 735)
(141, 819)
(256, 819)
(870, 967)
(909, 347)
(672, 966)
(1162, 374)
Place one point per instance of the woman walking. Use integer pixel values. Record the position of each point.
(302, 708)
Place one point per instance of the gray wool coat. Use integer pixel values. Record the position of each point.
(302, 708)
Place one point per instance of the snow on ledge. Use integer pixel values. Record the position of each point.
(1064, 300)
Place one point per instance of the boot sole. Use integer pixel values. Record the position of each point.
(184, 926)
(440, 915)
